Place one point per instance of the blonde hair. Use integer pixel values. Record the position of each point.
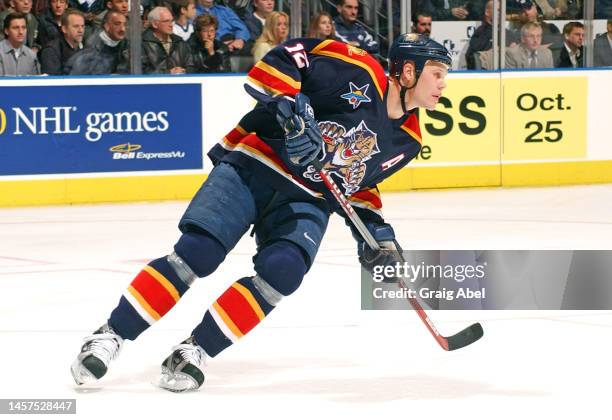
(267, 35)
(313, 29)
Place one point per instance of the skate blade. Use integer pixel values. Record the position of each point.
(81, 375)
(176, 382)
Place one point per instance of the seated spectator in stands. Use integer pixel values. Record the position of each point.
(16, 59)
(275, 32)
(120, 6)
(422, 23)
(255, 20)
(184, 12)
(482, 39)
(24, 7)
(56, 54)
(109, 50)
(349, 30)
(322, 27)
(209, 54)
(91, 9)
(452, 9)
(602, 48)
(529, 54)
(552, 9)
(50, 22)
(572, 53)
(232, 31)
(528, 12)
(162, 51)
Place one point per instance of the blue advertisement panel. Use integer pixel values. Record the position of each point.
(112, 128)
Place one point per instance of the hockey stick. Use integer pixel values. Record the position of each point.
(463, 338)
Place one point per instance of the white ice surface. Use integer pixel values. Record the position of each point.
(62, 270)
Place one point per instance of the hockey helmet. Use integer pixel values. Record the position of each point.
(418, 49)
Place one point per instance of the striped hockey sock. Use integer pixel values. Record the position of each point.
(236, 312)
(154, 291)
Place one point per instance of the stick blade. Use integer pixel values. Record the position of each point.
(465, 337)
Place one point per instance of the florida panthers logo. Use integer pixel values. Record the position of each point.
(345, 153)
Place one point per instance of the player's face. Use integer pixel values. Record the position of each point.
(431, 83)
(75, 29)
(533, 39)
(16, 32)
(22, 6)
(58, 7)
(349, 10)
(282, 29)
(325, 26)
(576, 37)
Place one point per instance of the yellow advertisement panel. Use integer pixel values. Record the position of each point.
(465, 126)
(544, 118)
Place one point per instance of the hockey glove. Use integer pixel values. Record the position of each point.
(303, 139)
(389, 254)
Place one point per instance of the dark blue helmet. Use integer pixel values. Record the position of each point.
(418, 49)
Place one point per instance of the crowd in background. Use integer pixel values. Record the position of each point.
(81, 37)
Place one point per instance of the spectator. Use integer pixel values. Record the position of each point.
(528, 12)
(256, 20)
(24, 7)
(50, 22)
(120, 6)
(529, 54)
(482, 39)
(275, 32)
(602, 48)
(322, 27)
(571, 55)
(3, 6)
(452, 9)
(349, 30)
(422, 24)
(552, 9)
(108, 53)
(184, 12)
(90, 8)
(162, 51)
(232, 31)
(209, 54)
(16, 59)
(56, 54)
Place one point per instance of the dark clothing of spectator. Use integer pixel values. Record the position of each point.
(602, 51)
(482, 40)
(103, 57)
(55, 55)
(155, 58)
(95, 7)
(31, 24)
(355, 32)
(203, 62)
(241, 7)
(254, 26)
(230, 26)
(603, 9)
(438, 11)
(48, 28)
(564, 60)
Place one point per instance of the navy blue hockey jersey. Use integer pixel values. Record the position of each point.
(347, 88)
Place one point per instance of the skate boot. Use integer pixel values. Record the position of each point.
(182, 370)
(96, 354)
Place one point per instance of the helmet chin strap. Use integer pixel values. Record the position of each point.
(403, 91)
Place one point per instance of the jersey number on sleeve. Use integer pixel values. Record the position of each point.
(299, 55)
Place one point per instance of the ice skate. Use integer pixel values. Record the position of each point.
(96, 354)
(182, 370)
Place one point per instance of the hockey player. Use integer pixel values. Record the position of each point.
(318, 99)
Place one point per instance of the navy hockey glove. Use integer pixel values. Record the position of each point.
(390, 251)
(303, 139)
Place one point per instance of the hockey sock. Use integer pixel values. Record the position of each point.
(154, 291)
(236, 312)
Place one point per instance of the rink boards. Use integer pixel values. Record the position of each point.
(104, 139)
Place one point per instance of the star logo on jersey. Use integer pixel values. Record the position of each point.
(357, 95)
